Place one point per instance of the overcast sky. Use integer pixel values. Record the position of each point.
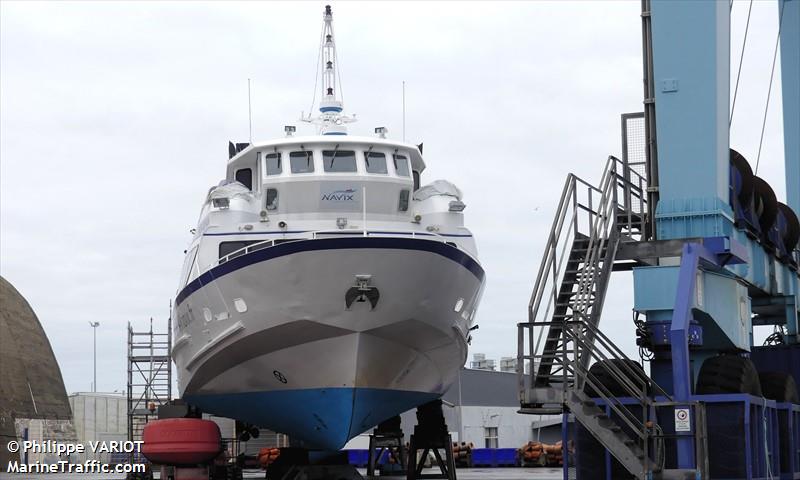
(115, 118)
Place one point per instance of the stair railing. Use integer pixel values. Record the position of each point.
(637, 389)
(573, 207)
(596, 217)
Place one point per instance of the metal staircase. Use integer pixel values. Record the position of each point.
(561, 339)
(571, 284)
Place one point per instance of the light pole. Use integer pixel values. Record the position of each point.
(94, 326)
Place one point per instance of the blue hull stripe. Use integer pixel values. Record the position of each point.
(324, 418)
(290, 248)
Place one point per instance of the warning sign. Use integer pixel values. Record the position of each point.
(682, 422)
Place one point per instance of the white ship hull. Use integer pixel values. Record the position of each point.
(267, 338)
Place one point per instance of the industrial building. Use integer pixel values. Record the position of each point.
(99, 417)
(481, 408)
(485, 413)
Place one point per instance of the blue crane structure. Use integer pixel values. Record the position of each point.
(713, 254)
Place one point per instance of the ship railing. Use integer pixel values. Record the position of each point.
(319, 234)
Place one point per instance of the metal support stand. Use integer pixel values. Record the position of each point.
(387, 437)
(431, 435)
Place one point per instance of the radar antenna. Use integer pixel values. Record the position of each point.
(331, 120)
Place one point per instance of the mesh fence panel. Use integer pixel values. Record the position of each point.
(633, 139)
(634, 144)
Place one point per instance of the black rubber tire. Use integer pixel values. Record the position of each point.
(746, 173)
(233, 472)
(766, 204)
(602, 374)
(779, 386)
(728, 374)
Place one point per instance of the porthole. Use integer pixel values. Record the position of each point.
(459, 305)
(240, 305)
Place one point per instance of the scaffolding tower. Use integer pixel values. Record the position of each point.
(149, 376)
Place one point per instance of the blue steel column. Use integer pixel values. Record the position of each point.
(691, 47)
(691, 70)
(790, 82)
(679, 338)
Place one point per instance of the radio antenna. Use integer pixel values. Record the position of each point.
(404, 110)
(249, 112)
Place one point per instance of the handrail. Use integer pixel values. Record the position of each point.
(578, 258)
(314, 234)
(633, 381)
(598, 216)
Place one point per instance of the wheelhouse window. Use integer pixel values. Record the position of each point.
(272, 199)
(245, 177)
(375, 162)
(301, 162)
(273, 161)
(401, 165)
(226, 248)
(403, 203)
(339, 160)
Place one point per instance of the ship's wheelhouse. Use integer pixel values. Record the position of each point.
(320, 178)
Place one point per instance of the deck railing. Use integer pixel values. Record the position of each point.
(332, 233)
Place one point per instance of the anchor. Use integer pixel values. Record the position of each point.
(362, 292)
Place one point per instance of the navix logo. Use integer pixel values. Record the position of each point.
(345, 195)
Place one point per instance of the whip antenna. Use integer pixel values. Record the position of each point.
(249, 112)
(404, 110)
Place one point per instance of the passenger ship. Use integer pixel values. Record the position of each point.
(325, 290)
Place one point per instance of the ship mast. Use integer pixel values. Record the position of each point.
(331, 120)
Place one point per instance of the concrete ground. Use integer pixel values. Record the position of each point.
(501, 474)
(463, 474)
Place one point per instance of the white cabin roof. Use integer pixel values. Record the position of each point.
(417, 163)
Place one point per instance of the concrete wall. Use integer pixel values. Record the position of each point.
(468, 423)
(99, 417)
(513, 429)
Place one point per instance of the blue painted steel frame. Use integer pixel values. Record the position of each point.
(717, 252)
(789, 15)
(760, 458)
(691, 70)
(679, 337)
(792, 413)
(565, 456)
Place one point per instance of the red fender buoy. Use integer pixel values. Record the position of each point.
(181, 441)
